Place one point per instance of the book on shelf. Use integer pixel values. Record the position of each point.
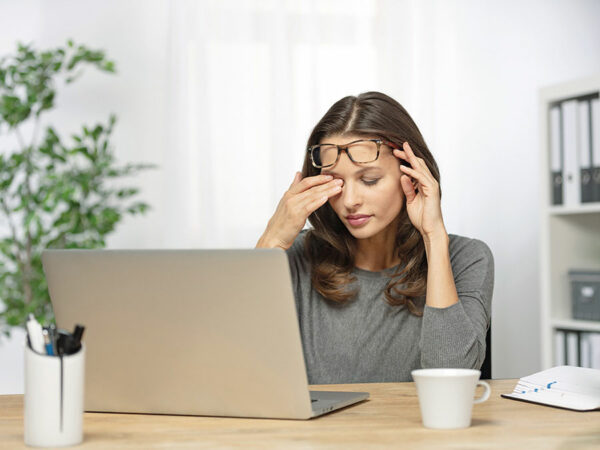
(568, 387)
(584, 135)
(574, 147)
(577, 348)
(556, 160)
(595, 144)
(571, 184)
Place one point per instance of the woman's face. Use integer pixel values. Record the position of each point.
(371, 196)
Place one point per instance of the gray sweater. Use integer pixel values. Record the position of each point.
(368, 340)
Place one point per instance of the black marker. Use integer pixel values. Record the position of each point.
(70, 343)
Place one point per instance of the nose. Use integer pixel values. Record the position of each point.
(351, 195)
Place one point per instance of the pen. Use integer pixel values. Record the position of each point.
(77, 334)
(52, 333)
(70, 343)
(47, 342)
(34, 331)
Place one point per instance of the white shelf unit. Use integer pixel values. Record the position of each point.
(570, 236)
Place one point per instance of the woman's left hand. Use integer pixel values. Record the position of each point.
(422, 194)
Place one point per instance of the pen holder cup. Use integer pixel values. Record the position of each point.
(54, 388)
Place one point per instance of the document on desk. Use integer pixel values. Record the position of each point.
(568, 387)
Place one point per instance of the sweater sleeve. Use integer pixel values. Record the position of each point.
(455, 336)
(299, 269)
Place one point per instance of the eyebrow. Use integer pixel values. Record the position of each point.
(358, 172)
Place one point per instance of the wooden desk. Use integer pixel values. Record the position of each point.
(391, 418)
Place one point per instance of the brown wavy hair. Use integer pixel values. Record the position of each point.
(329, 246)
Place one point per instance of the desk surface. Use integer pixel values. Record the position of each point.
(390, 417)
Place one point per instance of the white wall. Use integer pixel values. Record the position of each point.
(18, 21)
(486, 122)
(467, 71)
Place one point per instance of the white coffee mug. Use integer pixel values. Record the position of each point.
(446, 396)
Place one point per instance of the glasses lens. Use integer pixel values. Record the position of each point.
(324, 155)
(363, 151)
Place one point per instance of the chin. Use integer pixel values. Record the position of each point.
(363, 232)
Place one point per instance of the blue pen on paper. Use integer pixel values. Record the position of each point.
(548, 386)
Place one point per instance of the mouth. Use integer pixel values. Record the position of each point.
(357, 220)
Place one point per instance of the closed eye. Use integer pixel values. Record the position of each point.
(370, 182)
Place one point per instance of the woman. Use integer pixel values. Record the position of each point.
(380, 287)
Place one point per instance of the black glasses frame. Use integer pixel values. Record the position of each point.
(344, 148)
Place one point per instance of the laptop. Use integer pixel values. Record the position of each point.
(196, 332)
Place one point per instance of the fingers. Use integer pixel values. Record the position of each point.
(309, 182)
(412, 158)
(302, 198)
(329, 189)
(419, 176)
(408, 155)
(408, 188)
(418, 170)
(305, 196)
(315, 204)
(318, 196)
(297, 178)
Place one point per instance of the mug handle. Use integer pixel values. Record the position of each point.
(486, 393)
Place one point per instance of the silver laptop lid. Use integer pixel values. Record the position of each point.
(208, 332)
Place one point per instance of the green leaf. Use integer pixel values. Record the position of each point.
(12, 110)
(97, 132)
(47, 102)
(108, 66)
(28, 218)
(128, 192)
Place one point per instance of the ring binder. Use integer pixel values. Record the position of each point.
(595, 144)
(556, 159)
(585, 152)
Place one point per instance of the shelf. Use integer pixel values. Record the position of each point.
(569, 234)
(577, 325)
(589, 208)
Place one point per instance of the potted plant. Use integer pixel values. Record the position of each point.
(53, 193)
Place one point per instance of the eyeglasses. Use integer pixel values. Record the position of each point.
(360, 152)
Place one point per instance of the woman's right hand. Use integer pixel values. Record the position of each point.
(303, 197)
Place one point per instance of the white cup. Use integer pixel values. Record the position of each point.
(54, 399)
(446, 396)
